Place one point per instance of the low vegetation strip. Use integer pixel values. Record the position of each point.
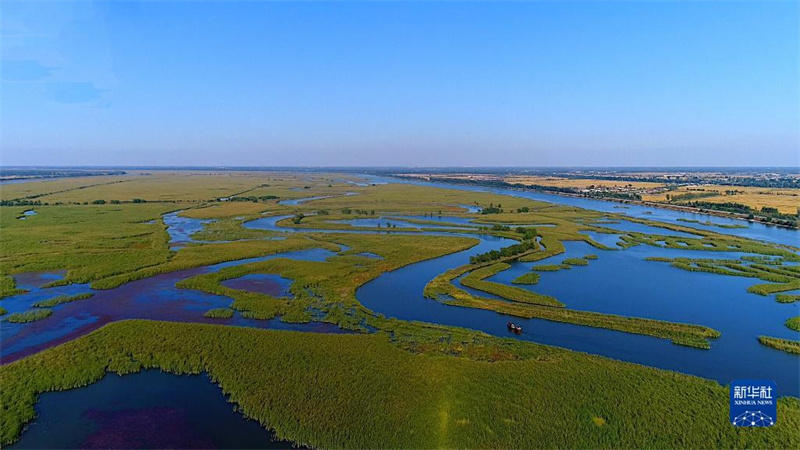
(787, 298)
(787, 345)
(793, 323)
(504, 253)
(360, 391)
(196, 256)
(678, 333)
(476, 280)
(711, 224)
(551, 246)
(253, 305)
(8, 286)
(528, 278)
(772, 288)
(31, 315)
(219, 313)
(576, 262)
(442, 289)
(62, 299)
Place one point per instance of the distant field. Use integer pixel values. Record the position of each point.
(579, 183)
(786, 200)
(171, 186)
(20, 190)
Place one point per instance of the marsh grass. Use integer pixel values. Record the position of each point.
(781, 278)
(786, 345)
(31, 315)
(62, 299)
(8, 287)
(476, 280)
(575, 262)
(219, 313)
(442, 289)
(787, 298)
(362, 391)
(528, 278)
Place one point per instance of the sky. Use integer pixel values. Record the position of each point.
(371, 83)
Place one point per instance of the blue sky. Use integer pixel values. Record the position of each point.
(632, 83)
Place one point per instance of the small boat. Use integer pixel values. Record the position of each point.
(514, 328)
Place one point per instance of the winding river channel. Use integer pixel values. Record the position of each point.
(750, 230)
(618, 282)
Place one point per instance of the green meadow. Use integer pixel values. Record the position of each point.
(340, 391)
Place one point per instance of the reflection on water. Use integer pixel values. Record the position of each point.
(181, 229)
(150, 409)
(263, 283)
(27, 214)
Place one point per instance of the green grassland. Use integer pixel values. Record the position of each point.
(89, 242)
(40, 190)
(166, 186)
(353, 391)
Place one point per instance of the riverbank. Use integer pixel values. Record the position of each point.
(680, 208)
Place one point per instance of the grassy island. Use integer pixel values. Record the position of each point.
(787, 345)
(31, 315)
(62, 299)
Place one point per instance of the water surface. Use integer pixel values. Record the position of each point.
(149, 409)
(619, 282)
(154, 298)
(753, 230)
